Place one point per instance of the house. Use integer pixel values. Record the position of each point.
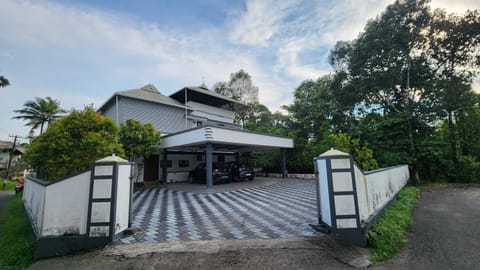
(6, 151)
(197, 125)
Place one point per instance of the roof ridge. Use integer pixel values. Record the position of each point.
(151, 88)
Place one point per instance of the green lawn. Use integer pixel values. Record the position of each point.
(16, 237)
(10, 184)
(388, 234)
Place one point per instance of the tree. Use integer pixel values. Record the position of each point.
(241, 88)
(454, 50)
(39, 112)
(73, 143)
(139, 141)
(4, 82)
(387, 69)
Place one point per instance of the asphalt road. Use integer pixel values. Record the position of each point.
(446, 233)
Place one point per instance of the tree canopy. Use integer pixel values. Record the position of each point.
(4, 81)
(39, 112)
(139, 141)
(401, 92)
(72, 143)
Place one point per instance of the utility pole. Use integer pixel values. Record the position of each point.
(12, 151)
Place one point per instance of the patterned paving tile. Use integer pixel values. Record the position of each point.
(279, 210)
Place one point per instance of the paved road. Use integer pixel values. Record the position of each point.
(446, 234)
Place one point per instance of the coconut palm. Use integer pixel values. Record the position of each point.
(39, 112)
(4, 82)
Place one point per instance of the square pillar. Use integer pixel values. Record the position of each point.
(284, 163)
(164, 168)
(209, 166)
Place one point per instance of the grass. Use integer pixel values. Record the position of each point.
(10, 185)
(388, 234)
(16, 237)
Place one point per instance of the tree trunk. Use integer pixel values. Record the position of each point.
(453, 143)
(413, 152)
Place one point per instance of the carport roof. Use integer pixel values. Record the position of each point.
(223, 139)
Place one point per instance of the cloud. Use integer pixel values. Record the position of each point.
(456, 6)
(261, 21)
(81, 55)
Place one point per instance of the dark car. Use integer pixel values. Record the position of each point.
(239, 171)
(198, 175)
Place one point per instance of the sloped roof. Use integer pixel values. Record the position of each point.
(149, 93)
(202, 90)
(146, 93)
(8, 145)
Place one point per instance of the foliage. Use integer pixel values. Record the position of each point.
(73, 143)
(10, 185)
(4, 81)
(139, 141)
(16, 237)
(39, 112)
(241, 88)
(361, 153)
(388, 234)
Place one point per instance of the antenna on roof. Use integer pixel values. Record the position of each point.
(203, 80)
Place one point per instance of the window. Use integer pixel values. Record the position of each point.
(221, 159)
(199, 157)
(162, 163)
(199, 123)
(183, 164)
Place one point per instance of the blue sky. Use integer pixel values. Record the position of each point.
(81, 52)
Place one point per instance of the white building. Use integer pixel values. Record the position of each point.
(197, 125)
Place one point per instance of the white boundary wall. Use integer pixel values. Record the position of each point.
(349, 199)
(376, 188)
(60, 208)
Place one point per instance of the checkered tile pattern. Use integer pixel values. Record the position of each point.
(279, 210)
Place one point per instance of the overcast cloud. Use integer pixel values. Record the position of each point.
(82, 53)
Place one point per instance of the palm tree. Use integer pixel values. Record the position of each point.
(39, 112)
(4, 82)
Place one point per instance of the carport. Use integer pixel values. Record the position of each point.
(210, 139)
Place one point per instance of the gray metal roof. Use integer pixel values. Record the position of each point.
(204, 90)
(203, 95)
(149, 93)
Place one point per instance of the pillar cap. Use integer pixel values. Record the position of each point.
(334, 152)
(112, 158)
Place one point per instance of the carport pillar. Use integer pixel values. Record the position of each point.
(209, 167)
(284, 163)
(164, 167)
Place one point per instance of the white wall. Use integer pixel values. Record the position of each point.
(123, 198)
(373, 189)
(211, 113)
(66, 206)
(178, 174)
(33, 199)
(382, 185)
(61, 208)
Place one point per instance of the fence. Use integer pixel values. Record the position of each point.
(87, 210)
(348, 200)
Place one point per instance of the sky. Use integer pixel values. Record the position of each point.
(81, 52)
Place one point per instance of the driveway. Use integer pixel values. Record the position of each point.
(446, 233)
(265, 209)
